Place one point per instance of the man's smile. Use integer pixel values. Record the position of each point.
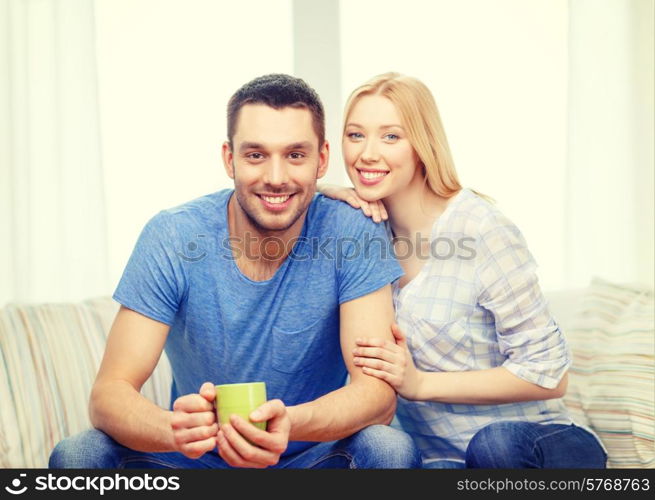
(276, 202)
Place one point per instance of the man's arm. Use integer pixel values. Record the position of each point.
(366, 400)
(134, 346)
(117, 407)
(341, 413)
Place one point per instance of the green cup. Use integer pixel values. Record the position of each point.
(240, 399)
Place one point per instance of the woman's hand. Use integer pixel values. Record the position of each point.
(374, 209)
(391, 362)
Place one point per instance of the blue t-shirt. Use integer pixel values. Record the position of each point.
(226, 328)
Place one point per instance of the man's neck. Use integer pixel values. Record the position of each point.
(257, 252)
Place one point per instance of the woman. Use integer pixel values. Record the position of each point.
(479, 363)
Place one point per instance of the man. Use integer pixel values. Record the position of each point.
(263, 283)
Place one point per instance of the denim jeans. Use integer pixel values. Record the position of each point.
(524, 445)
(375, 447)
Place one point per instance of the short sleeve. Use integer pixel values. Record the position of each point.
(364, 257)
(153, 282)
(528, 336)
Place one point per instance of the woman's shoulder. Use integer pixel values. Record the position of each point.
(473, 214)
(493, 231)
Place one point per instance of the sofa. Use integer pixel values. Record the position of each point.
(49, 355)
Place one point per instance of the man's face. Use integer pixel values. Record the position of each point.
(275, 162)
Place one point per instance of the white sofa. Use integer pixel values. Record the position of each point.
(49, 354)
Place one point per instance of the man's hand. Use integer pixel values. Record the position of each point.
(194, 422)
(241, 444)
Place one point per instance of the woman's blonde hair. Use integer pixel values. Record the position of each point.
(421, 121)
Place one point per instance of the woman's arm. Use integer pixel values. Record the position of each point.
(392, 362)
(373, 209)
(483, 387)
(535, 351)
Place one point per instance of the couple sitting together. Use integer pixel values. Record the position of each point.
(435, 315)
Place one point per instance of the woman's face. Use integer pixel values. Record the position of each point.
(379, 159)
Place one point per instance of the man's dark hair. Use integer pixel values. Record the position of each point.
(277, 91)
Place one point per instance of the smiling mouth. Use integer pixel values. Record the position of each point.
(275, 199)
(369, 176)
(276, 202)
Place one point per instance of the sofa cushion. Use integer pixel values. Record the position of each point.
(49, 356)
(612, 378)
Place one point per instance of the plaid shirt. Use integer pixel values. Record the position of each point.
(476, 304)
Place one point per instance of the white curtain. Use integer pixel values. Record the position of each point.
(52, 217)
(610, 146)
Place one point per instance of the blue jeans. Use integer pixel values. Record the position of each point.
(524, 445)
(375, 447)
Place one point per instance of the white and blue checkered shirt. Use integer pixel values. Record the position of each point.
(476, 304)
